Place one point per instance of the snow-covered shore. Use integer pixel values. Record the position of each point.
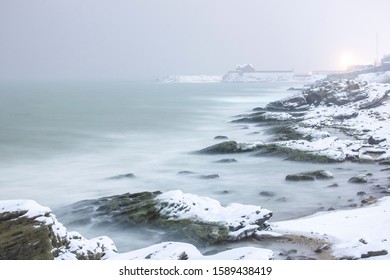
(348, 234)
(335, 121)
(352, 234)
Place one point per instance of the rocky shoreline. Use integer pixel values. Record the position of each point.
(329, 121)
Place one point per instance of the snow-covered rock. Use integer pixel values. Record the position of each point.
(241, 220)
(193, 218)
(185, 251)
(330, 121)
(31, 231)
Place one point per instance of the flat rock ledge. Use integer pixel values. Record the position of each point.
(196, 219)
(29, 231)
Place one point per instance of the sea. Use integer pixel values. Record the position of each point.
(60, 142)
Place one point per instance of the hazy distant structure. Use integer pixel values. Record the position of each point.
(245, 68)
(248, 73)
(359, 67)
(386, 60)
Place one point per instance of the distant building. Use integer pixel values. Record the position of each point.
(359, 67)
(386, 59)
(245, 68)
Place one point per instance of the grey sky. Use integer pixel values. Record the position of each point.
(145, 39)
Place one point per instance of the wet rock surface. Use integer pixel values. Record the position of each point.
(24, 238)
(122, 176)
(226, 160)
(228, 147)
(361, 179)
(310, 175)
(181, 214)
(374, 254)
(31, 232)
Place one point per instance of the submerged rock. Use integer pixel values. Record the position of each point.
(267, 193)
(230, 147)
(193, 218)
(29, 231)
(185, 172)
(210, 176)
(226, 160)
(358, 179)
(221, 137)
(122, 176)
(310, 176)
(300, 177)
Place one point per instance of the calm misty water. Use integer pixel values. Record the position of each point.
(60, 142)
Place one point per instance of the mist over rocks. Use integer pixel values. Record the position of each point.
(193, 218)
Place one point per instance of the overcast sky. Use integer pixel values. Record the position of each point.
(147, 39)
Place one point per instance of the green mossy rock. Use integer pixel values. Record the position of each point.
(225, 147)
(294, 154)
(310, 176)
(23, 238)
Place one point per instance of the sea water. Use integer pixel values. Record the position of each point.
(60, 142)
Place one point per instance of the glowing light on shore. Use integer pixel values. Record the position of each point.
(346, 59)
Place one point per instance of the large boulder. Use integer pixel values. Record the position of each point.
(29, 231)
(193, 218)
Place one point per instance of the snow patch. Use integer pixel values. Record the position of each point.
(352, 233)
